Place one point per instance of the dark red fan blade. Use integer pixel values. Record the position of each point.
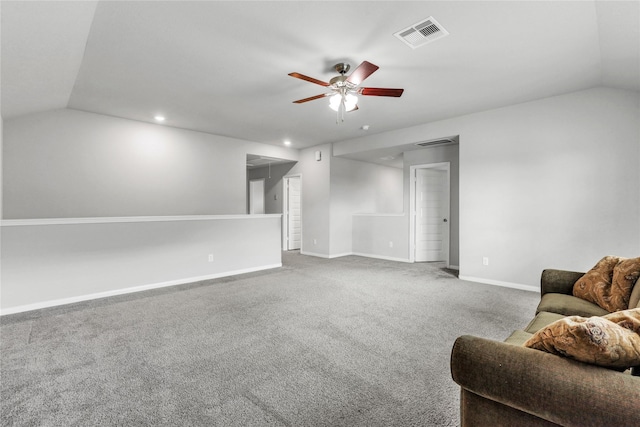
(380, 91)
(311, 98)
(309, 79)
(363, 71)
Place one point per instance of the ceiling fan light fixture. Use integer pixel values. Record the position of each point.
(350, 101)
(334, 101)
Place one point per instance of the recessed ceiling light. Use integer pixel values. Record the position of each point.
(365, 127)
(287, 142)
(159, 118)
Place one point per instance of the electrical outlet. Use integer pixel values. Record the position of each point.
(485, 260)
(210, 257)
(315, 242)
(390, 244)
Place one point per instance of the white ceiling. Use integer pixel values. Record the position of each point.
(221, 66)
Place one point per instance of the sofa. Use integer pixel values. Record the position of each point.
(507, 384)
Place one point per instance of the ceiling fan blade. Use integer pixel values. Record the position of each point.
(311, 98)
(380, 91)
(363, 71)
(308, 79)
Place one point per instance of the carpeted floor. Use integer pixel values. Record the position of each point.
(343, 342)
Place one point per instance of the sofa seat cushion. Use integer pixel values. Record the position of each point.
(569, 305)
(518, 338)
(542, 319)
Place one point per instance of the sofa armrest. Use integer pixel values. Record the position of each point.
(550, 387)
(558, 281)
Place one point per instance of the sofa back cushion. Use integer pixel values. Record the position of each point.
(609, 283)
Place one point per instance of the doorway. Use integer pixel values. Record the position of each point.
(430, 209)
(256, 196)
(292, 212)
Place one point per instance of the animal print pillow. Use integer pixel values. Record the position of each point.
(612, 341)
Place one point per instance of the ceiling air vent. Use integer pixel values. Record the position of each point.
(436, 142)
(422, 33)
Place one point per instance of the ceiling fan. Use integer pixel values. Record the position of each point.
(345, 88)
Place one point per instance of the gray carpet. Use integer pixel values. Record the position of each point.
(344, 342)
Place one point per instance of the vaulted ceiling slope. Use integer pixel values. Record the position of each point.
(221, 67)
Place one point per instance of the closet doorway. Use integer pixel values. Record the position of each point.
(292, 212)
(256, 196)
(430, 210)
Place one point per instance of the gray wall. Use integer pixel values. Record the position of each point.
(55, 263)
(359, 187)
(374, 234)
(1, 169)
(316, 194)
(548, 183)
(1, 188)
(67, 163)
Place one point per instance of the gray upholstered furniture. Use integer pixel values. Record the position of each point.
(505, 384)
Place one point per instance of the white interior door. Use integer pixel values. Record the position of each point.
(431, 214)
(256, 196)
(293, 213)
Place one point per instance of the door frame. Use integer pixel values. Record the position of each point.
(446, 166)
(285, 214)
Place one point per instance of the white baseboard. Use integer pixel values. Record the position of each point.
(314, 254)
(80, 298)
(500, 283)
(388, 258)
(325, 255)
(454, 267)
(341, 255)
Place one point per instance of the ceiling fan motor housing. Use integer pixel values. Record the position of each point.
(340, 82)
(342, 68)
